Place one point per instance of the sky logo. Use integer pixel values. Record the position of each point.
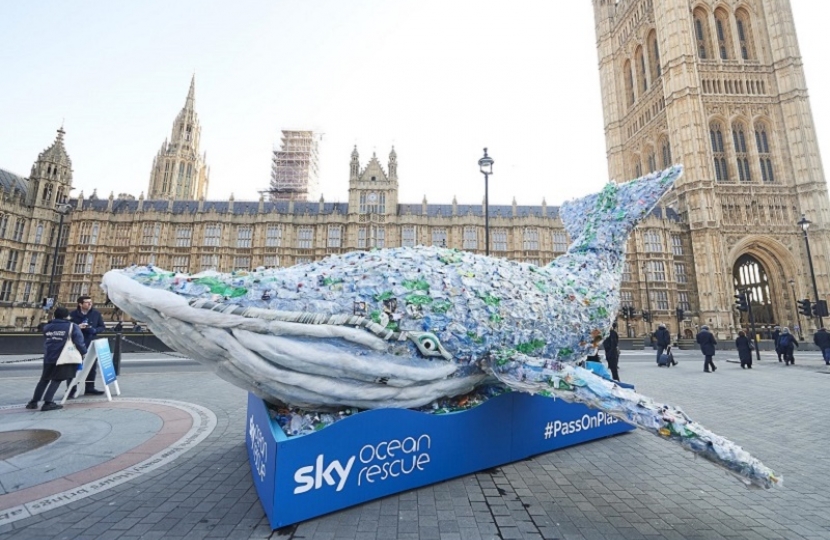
(313, 476)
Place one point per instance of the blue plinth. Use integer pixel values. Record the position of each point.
(381, 452)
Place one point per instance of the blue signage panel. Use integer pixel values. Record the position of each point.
(542, 424)
(262, 451)
(102, 350)
(381, 452)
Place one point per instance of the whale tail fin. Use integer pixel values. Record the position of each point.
(605, 219)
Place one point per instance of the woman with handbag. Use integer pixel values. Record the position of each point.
(64, 350)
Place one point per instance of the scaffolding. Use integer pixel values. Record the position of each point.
(294, 167)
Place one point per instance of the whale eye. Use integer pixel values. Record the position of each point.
(428, 344)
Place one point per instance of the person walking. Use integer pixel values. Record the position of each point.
(56, 333)
(611, 345)
(91, 323)
(787, 343)
(822, 340)
(776, 333)
(663, 338)
(744, 346)
(707, 342)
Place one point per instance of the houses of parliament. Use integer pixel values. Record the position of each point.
(716, 86)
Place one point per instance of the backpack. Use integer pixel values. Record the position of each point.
(785, 341)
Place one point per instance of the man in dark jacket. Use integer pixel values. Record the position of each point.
(776, 333)
(56, 332)
(663, 338)
(787, 344)
(91, 323)
(611, 345)
(707, 343)
(822, 341)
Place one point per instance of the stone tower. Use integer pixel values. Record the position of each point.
(179, 171)
(51, 176)
(720, 88)
(372, 190)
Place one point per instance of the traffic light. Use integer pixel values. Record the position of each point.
(740, 301)
(804, 307)
(646, 316)
(678, 312)
(820, 309)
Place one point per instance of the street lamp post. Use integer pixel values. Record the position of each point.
(485, 164)
(62, 210)
(648, 299)
(804, 223)
(797, 313)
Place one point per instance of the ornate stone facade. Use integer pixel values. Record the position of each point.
(29, 230)
(719, 87)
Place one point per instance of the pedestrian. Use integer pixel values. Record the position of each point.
(91, 323)
(56, 333)
(611, 345)
(707, 343)
(787, 343)
(822, 340)
(744, 346)
(776, 333)
(663, 338)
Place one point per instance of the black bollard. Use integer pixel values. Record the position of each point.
(116, 354)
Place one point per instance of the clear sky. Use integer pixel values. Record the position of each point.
(438, 79)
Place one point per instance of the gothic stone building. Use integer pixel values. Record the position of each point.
(719, 86)
(198, 234)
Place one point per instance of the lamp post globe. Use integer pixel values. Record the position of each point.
(485, 165)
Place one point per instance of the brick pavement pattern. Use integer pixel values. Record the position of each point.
(627, 487)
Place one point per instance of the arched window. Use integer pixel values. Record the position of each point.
(642, 79)
(741, 155)
(716, 135)
(665, 151)
(629, 82)
(47, 192)
(652, 160)
(654, 56)
(749, 274)
(723, 34)
(638, 168)
(764, 154)
(744, 25)
(702, 34)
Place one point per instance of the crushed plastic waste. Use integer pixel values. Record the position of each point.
(296, 422)
(408, 327)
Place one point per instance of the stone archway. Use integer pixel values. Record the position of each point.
(776, 261)
(749, 274)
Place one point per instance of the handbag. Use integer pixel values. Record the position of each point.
(69, 354)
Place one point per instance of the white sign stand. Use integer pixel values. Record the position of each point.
(99, 352)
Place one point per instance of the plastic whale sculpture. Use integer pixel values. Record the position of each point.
(403, 327)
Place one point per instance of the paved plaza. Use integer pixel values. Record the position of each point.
(168, 460)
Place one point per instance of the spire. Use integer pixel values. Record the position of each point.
(191, 94)
(57, 152)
